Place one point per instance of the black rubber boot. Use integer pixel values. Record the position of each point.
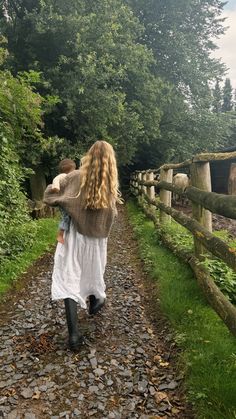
(95, 304)
(75, 338)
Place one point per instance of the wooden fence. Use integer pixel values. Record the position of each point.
(204, 203)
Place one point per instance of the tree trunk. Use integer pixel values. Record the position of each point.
(37, 184)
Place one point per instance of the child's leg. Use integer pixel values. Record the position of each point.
(60, 236)
(65, 221)
(64, 225)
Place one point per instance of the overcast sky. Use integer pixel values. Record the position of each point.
(227, 42)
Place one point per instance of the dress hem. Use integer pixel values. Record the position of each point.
(80, 301)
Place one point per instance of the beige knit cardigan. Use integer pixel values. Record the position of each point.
(92, 223)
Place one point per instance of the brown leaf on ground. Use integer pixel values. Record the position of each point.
(175, 411)
(36, 344)
(9, 392)
(36, 395)
(157, 358)
(160, 396)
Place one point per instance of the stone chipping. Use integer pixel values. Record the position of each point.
(127, 366)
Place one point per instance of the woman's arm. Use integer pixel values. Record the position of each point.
(51, 196)
(69, 188)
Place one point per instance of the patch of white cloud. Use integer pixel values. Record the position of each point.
(227, 43)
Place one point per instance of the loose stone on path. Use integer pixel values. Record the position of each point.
(125, 369)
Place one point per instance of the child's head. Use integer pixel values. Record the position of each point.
(66, 166)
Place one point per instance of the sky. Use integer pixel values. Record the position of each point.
(227, 42)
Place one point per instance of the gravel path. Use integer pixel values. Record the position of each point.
(126, 368)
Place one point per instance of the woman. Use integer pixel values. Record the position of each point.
(89, 195)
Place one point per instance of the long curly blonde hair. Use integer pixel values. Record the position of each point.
(99, 177)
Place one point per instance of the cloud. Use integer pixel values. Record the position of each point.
(226, 44)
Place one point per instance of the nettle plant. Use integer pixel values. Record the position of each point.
(223, 276)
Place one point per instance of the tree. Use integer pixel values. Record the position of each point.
(180, 35)
(20, 118)
(90, 57)
(17, 232)
(217, 98)
(185, 132)
(136, 74)
(227, 105)
(24, 144)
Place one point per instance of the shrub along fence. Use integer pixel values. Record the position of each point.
(204, 203)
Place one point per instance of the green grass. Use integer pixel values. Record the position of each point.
(11, 269)
(223, 275)
(208, 353)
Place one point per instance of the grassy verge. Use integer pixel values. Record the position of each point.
(224, 277)
(208, 349)
(10, 269)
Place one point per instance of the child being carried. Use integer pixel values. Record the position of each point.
(65, 166)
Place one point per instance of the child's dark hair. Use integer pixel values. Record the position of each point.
(66, 166)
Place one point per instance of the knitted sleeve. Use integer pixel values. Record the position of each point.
(69, 187)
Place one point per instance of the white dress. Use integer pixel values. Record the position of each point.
(79, 266)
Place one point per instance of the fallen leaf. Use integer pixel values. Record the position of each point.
(174, 410)
(149, 364)
(36, 395)
(9, 392)
(159, 396)
(163, 364)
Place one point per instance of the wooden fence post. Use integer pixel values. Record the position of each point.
(139, 178)
(144, 178)
(201, 179)
(136, 182)
(165, 196)
(150, 189)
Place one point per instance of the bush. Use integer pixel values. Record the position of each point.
(16, 229)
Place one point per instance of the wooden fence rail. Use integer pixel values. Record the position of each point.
(217, 203)
(200, 158)
(204, 202)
